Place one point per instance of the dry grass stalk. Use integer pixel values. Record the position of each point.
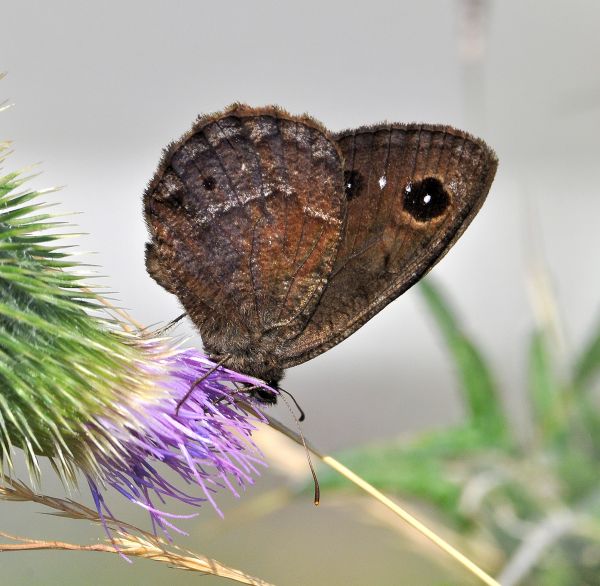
(144, 545)
(391, 505)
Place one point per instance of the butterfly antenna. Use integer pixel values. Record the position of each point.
(317, 498)
(199, 380)
(300, 410)
(255, 387)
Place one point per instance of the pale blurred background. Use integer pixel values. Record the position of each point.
(100, 88)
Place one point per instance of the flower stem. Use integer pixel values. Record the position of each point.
(387, 502)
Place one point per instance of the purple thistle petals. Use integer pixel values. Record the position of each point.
(207, 443)
(102, 509)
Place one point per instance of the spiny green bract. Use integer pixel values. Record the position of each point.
(48, 320)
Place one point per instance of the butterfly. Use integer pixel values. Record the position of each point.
(281, 239)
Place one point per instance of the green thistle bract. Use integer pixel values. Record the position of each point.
(56, 364)
(92, 397)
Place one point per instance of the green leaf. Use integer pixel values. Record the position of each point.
(548, 400)
(409, 469)
(477, 382)
(587, 366)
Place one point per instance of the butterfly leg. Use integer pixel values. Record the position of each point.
(198, 381)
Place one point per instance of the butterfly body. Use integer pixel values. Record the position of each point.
(280, 239)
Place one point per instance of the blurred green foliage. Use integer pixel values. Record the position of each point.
(535, 500)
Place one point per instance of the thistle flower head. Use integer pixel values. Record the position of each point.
(94, 398)
(207, 442)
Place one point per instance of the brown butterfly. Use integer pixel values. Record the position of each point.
(281, 239)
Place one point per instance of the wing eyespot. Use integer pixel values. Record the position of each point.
(426, 199)
(352, 184)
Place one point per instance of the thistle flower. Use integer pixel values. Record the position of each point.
(206, 442)
(95, 398)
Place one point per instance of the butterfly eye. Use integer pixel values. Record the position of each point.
(209, 183)
(352, 184)
(426, 199)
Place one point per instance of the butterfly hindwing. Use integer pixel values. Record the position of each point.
(411, 191)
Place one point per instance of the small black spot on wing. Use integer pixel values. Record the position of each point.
(209, 183)
(353, 183)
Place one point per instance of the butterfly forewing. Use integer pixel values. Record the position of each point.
(411, 191)
(245, 214)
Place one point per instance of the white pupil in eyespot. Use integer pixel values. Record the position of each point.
(427, 198)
